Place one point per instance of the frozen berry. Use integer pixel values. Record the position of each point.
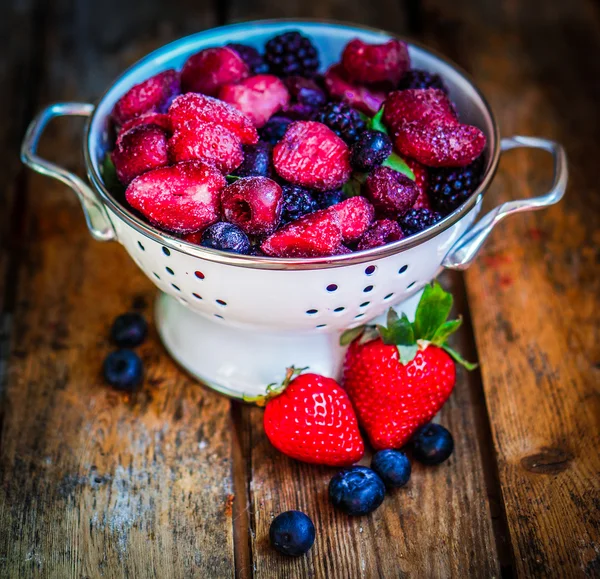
(363, 99)
(257, 161)
(208, 142)
(449, 188)
(161, 120)
(208, 70)
(274, 130)
(376, 63)
(253, 59)
(305, 91)
(182, 198)
(422, 180)
(355, 216)
(258, 97)
(380, 233)
(297, 202)
(343, 120)
(152, 95)
(253, 204)
(192, 107)
(370, 150)
(416, 78)
(312, 155)
(391, 192)
(292, 533)
(314, 235)
(123, 369)
(432, 444)
(392, 466)
(416, 220)
(226, 237)
(290, 54)
(414, 105)
(129, 330)
(139, 150)
(356, 491)
(326, 199)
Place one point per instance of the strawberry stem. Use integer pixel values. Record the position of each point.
(275, 389)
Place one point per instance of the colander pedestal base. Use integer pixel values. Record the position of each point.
(238, 361)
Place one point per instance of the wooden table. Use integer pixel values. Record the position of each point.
(177, 481)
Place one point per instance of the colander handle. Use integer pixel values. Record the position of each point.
(467, 247)
(95, 215)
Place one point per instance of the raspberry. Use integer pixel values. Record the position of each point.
(375, 63)
(355, 216)
(312, 155)
(417, 220)
(151, 96)
(225, 237)
(274, 130)
(314, 235)
(370, 150)
(418, 105)
(253, 59)
(290, 54)
(182, 198)
(139, 150)
(207, 142)
(416, 78)
(380, 233)
(208, 70)
(326, 199)
(363, 99)
(297, 202)
(257, 161)
(258, 97)
(344, 121)
(449, 188)
(391, 193)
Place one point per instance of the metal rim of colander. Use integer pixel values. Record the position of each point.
(273, 263)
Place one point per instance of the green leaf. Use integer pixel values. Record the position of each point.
(109, 175)
(364, 117)
(397, 163)
(445, 331)
(369, 334)
(350, 335)
(432, 311)
(232, 178)
(407, 353)
(399, 331)
(376, 123)
(459, 359)
(351, 188)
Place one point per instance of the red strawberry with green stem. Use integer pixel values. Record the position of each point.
(310, 418)
(398, 377)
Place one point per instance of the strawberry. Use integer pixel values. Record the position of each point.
(208, 70)
(312, 155)
(192, 107)
(380, 233)
(152, 95)
(422, 180)
(355, 216)
(382, 64)
(140, 149)
(258, 97)
(182, 198)
(207, 142)
(161, 120)
(366, 100)
(310, 418)
(398, 377)
(423, 105)
(316, 234)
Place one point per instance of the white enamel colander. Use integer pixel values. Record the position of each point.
(235, 321)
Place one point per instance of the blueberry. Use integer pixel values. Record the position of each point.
(274, 129)
(392, 466)
(370, 150)
(257, 161)
(292, 533)
(326, 199)
(123, 369)
(129, 330)
(356, 491)
(432, 444)
(296, 203)
(226, 237)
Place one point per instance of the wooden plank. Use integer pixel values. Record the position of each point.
(534, 291)
(93, 483)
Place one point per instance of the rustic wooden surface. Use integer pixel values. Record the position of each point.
(95, 484)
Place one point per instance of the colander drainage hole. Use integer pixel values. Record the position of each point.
(340, 309)
(368, 289)
(175, 287)
(156, 275)
(221, 303)
(332, 287)
(312, 312)
(410, 285)
(197, 296)
(182, 301)
(358, 316)
(219, 316)
(364, 304)
(321, 326)
(166, 251)
(402, 269)
(169, 270)
(141, 246)
(370, 270)
(389, 296)
(199, 274)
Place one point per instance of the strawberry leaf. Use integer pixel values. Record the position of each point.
(351, 188)
(369, 334)
(399, 331)
(397, 163)
(376, 124)
(432, 311)
(459, 359)
(445, 331)
(350, 335)
(407, 353)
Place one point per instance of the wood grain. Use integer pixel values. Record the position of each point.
(534, 291)
(94, 483)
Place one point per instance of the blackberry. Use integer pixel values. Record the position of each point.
(296, 203)
(254, 60)
(291, 54)
(274, 130)
(416, 78)
(416, 220)
(326, 199)
(343, 120)
(450, 187)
